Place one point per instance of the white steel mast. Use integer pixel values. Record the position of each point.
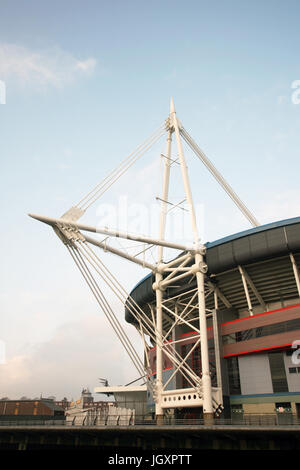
(200, 273)
(158, 280)
(190, 263)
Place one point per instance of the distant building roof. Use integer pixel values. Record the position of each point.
(42, 407)
(121, 389)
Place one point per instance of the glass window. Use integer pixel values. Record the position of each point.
(267, 330)
(292, 370)
(237, 409)
(233, 376)
(283, 406)
(278, 373)
(229, 339)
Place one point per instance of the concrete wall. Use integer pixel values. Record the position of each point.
(133, 401)
(259, 408)
(255, 375)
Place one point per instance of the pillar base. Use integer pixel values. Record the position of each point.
(159, 420)
(209, 418)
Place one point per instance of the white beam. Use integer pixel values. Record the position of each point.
(246, 290)
(201, 155)
(254, 290)
(120, 253)
(220, 294)
(216, 343)
(296, 272)
(206, 380)
(158, 280)
(113, 233)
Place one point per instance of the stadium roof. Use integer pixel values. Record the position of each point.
(256, 245)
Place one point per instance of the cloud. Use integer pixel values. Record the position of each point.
(86, 65)
(76, 356)
(52, 67)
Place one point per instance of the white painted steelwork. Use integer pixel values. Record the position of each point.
(160, 325)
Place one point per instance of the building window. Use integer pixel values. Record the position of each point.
(283, 407)
(237, 409)
(233, 376)
(258, 332)
(294, 370)
(278, 374)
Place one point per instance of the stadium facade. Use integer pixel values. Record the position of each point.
(253, 322)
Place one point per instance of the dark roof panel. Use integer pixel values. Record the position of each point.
(256, 244)
(293, 236)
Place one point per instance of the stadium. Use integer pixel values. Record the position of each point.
(219, 321)
(253, 292)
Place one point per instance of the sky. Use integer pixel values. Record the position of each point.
(82, 84)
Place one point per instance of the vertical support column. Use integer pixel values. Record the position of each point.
(296, 272)
(159, 354)
(216, 342)
(174, 338)
(159, 292)
(206, 380)
(246, 290)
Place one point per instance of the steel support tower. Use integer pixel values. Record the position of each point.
(190, 262)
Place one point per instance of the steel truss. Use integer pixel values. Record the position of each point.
(159, 324)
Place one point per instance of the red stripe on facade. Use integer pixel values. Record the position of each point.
(258, 350)
(260, 314)
(168, 368)
(194, 332)
(245, 318)
(239, 320)
(189, 334)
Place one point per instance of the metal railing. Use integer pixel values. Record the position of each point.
(246, 420)
(285, 419)
(32, 422)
